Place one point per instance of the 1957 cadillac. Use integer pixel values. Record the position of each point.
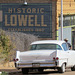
(46, 54)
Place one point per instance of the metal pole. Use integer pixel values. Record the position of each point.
(61, 19)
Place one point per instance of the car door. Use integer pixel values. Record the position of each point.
(71, 57)
(69, 54)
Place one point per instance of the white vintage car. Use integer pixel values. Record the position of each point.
(46, 54)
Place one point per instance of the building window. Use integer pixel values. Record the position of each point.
(68, 20)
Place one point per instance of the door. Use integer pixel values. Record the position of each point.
(69, 55)
(73, 40)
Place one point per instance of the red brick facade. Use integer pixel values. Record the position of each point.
(54, 14)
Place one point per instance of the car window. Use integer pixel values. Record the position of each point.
(64, 45)
(46, 47)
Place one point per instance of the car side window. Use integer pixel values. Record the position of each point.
(64, 45)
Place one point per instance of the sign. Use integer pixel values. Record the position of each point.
(33, 19)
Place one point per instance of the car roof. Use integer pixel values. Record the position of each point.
(48, 42)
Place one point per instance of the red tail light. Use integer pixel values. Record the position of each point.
(55, 58)
(13, 59)
(16, 60)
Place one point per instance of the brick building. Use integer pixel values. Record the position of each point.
(39, 17)
(68, 20)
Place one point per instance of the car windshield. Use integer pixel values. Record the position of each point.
(45, 47)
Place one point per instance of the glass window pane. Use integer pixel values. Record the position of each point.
(46, 47)
(64, 45)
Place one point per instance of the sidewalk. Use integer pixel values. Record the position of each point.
(9, 71)
(8, 67)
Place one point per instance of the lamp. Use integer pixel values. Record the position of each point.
(25, 3)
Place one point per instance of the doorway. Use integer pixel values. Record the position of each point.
(73, 40)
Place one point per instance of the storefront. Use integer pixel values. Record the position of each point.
(73, 38)
(68, 28)
(68, 21)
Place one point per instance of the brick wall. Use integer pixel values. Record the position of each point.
(39, 1)
(29, 1)
(68, 8)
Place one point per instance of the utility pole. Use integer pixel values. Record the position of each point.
(61, 19)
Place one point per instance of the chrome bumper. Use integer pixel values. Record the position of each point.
(35, 64)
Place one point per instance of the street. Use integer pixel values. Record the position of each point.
(53, 72)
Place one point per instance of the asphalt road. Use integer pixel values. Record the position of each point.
(47, 72)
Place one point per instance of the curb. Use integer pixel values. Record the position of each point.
(9, 73)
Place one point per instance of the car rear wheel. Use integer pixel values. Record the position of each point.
(62, 68)
(25, 71)
(40, 70)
